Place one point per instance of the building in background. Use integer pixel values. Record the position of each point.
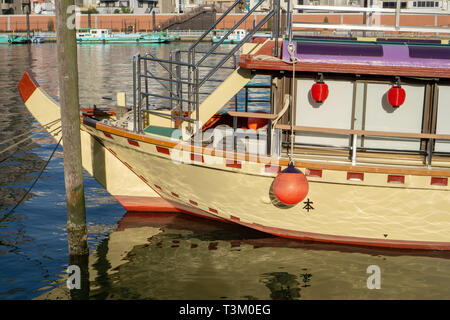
(11, 6)
(167, 6)
(410, 4)
(128, 6)
(183, 6)
(44, 7)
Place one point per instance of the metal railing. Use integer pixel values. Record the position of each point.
(427, 151)
(182, 80)
(397, 27)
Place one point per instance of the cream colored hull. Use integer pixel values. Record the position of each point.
(372, 212)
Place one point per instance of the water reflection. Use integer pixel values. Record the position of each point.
(176, 256)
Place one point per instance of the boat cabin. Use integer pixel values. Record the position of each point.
(94, 33)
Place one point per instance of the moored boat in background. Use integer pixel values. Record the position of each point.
(17, 39)
(235, 37)
(107, 36)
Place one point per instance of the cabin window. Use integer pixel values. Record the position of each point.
(361, 106)
(334, 112)
(376, 114)
(340, 49)
(443, 116)
(429, 52)
(393, 4)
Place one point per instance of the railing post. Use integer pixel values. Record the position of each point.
(276, 25)
(171, 78)
(236, 96)
(397, 14)
(289, 21)
(134, 96)
(354, 147)
(146, 84)
(246, 99)
(179, 83)
(430, 152)
(197, 101)
(139, 90)
(269, 138)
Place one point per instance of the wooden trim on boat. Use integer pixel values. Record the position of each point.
(249, 62)
(233, 155)
(253, 115)
(366, 132)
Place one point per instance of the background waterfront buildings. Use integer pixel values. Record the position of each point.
(184, 6)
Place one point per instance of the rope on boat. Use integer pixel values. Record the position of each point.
(27, 145)
(25, 139)
(294, 59)
(266, 57)
(44, 127)
(32, 185)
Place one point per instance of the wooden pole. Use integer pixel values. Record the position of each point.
(70, 121)
(28, 22)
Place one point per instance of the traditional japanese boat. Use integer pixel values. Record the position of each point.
(354, 147)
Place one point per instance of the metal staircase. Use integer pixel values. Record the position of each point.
(184, 77)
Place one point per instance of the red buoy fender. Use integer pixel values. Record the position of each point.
(319, 91)
(291, 185)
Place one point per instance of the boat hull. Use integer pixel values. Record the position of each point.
(138, 168)
(363, 213)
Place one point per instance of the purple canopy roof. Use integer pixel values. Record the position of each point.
(385, 55)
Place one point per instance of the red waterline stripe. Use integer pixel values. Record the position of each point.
(437, 181)
(133, 143)
(108, 135)
(314, 173)
(162, 150)
(127, 165)
(396, 179)
(355, 176)
(234, 164)
(233, 218)
(193, 202)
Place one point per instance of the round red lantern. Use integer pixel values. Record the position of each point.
(256, 123)
(396, 96)
(319, 91)
(291, 185)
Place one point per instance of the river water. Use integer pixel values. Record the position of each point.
(155, 255)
